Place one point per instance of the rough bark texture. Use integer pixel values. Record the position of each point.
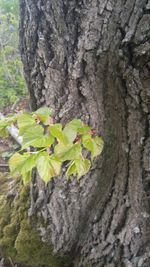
(89, 59)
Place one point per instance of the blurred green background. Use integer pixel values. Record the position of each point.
(12, 84)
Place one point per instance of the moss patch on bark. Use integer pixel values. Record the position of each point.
(19, 239)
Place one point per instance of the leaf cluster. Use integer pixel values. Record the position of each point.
(49, 146)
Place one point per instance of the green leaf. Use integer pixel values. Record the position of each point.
(71, 169)
(26, 177)
(43, 141)
(75, 124)
(71, 129)
(98, 145)
(33, 136)
(88, 142)
(69, 152)
(75, 127)
(48, 166)
(70, 133)
(94, 145)
(78, 126)
(56, 164)
(84, 130)
(43, 114)
(79, 166)
(15, 162)
(82, 166)
(21, 164)
(56, 131)
(25, 121)
(59, 148)
(29, 162)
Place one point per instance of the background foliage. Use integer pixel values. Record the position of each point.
(12, 84)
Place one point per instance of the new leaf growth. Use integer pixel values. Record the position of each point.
(47, 146)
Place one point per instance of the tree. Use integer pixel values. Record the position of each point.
(90, 60)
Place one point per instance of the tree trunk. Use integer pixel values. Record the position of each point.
(90, 60)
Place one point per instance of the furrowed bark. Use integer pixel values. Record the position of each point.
(90, 60)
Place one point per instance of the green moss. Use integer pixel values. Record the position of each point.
(19, 239)
(4, 181)
(4, 215)
(4, 205)
(10, 218)
(30, 249)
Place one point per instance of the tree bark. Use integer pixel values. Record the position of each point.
(90, 60)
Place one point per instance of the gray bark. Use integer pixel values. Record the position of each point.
(90, 60)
